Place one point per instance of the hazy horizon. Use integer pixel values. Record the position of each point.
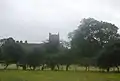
(32, 20)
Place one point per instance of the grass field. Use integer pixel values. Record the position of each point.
(18, 75)
(72, 75)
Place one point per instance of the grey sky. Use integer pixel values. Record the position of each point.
(32, 20)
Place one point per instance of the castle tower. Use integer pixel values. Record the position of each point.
(54, 38)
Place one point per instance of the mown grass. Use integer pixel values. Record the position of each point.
(18, 75)
(72, 75)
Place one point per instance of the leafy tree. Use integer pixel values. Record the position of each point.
(11, 51)
(109, 57)
(91, 36)
(35, 58)
(57, 57)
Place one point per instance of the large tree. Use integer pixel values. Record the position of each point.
(89, 38)
(110, 56)
(35, 58)
(11, 51)
(92, 35)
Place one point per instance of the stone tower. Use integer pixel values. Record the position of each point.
(54, 38)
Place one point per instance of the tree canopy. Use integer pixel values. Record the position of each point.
(92, 35)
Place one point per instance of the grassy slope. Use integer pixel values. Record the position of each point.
(12, 75)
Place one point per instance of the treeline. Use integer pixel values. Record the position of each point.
(94, 43)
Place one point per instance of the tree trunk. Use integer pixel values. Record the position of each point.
(30, 67)
(108, 69)
(52, 67)
(117, 68)
(58, 67)
(6, 66)
(24, 67)
(42, 67)
(67, 67)
(86, 68)
(34, 67)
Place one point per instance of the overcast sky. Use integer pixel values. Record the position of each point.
(32, 20)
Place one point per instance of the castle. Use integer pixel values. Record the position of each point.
(54, 39)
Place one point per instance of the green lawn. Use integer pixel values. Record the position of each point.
(18, 75)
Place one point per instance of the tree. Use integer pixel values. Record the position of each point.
(35, 58)
(65, 56)
(90, 37)
(57, 57)
(92, 34)
(109, 57)
(11, 51)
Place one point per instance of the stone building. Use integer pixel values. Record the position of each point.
(54, 40)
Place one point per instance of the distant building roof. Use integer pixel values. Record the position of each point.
(31, 46)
